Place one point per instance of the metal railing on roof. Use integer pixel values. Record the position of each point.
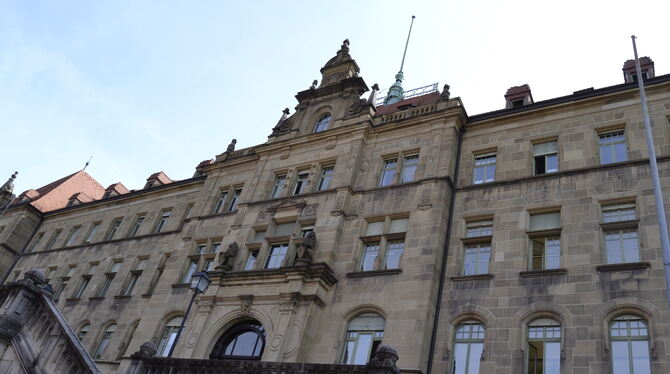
(412, 93)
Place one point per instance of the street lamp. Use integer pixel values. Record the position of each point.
(199, 283)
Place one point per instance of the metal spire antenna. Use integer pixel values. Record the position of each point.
(658, 193)
(87, 162)
(396, 92)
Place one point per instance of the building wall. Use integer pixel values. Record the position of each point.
(584, 296)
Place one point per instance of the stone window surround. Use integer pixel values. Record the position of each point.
(263, 247)
(451, 336)
(482, 239)
(135, 272)
(160, 217)
(383, 240)
(141, 218)
(230, 191)
(109, 276)
(201, 258)
(546, 139)
(480, 153)
(619, 225)
(610, 129)
(400, 159)
(91, 232)
(553, 232)
(291, 173)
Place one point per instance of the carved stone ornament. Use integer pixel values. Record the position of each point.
(147, 349)
(304, 249)
(227, 257)
(386, 356)
(245, 306)
(231, 146)
(357, 107)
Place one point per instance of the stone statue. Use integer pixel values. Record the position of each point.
(313, 86)
(384, 361)
(445, 92)
(304, 249)
(231, 146)
(227, 257)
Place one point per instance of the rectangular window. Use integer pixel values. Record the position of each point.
(190, 270)
(485, 168)
(545, 157)
(326, 177)
(109, 277)
(82, 287)
(618, 213)
(200, 249)
(62, 287)
(113, 228)
(157, 275)
(409, 164)
(165, 217)
(398, 225)
(134, 277)
(277, 255)
(477, 229)
(91, 232)
(388, 172)
(221, 202)
(622, 246)
(235, 199)
(208, 265)
(300, 183)
(370, 254)
(612, 147)
(53, 239)
(545, 251)
(476, 259)
(394, 250)
(278, 186)
(216, 247)
(251, 260)
(36, 242)
(72, 236)
(136, 227)
(305, 230)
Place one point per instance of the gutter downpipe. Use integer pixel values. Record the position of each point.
(445, 252)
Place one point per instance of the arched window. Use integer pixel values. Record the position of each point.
(468, 347)
(168, 336)
(322, 123)
(243, 341)
(83, 331)
(544, 347)
(104, 341)
(629, 339)
(364, 334)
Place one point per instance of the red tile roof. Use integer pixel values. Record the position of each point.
(430, 98)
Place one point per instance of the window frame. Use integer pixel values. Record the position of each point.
(137, 225)
(113, 228)
(383, 242)
(611, 132)
(544, 234)
(376, 335)
(470, 341)
(322, 123)
(163, 220)
(484, 166)
(629, 338)
(279, 185)
(104, 341)
(544, 155)
(544, 339)
(323, 176)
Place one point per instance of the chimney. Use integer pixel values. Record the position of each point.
(646, 65)
(518, 96)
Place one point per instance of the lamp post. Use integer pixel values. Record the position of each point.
(199, 283)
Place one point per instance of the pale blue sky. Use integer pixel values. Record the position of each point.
(145, 86)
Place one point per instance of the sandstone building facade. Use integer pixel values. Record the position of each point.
(517, 241)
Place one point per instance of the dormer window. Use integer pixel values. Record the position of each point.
(517, 103)
(322, 123)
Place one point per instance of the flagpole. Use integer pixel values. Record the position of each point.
(658, 194)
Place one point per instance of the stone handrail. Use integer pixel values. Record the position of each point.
(40, 340)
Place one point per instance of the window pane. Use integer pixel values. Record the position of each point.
(630, 246)
(393, 254)
(460, 358)
(362, 349)
(620, 152)
(484, 258)
(326, 176)
(552, 358)
(409, 168)
(613, 247)
(245, 344)
(620, 359)
(552, 253)
(479, 175)
(641, 364)
(277, 254)
(476, 350)
(388, 172)
(551, 162)
(251, 260)
(606, 154)
(369, 257)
